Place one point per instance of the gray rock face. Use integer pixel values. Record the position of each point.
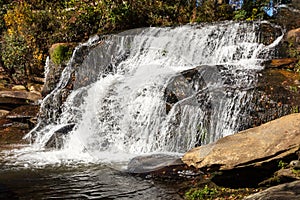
(145, 164)
(57, 139)
(253, 147)
(288, 191)
(161, 166)
(275, 95)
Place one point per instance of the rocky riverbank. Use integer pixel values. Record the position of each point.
(263, 160)
(18, 111)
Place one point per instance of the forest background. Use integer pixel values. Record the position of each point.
(28, 28)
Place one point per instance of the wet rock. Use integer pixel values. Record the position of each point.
(57, 138)
(276, 94)
(25, 114)
(4, 122)
(54, 69)
(161, 166)
(188, 83)
(52, 77)
(269, 33)
(288, 191)
(251, 153)
(288, 17)
(295, 4)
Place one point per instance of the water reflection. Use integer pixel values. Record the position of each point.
(80, 181)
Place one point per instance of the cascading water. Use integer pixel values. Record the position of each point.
(120, 85)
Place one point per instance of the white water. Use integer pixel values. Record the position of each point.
(123, 114)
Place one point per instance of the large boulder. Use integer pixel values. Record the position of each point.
(251, 153)
(161, 166)
(271, 141)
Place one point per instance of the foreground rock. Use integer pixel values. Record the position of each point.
(161, 166)
(251, 153)
(289, 191)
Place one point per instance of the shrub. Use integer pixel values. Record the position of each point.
(15, 60)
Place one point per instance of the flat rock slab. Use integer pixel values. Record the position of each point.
(161, 166)
(19, 95)
(253, 147)
(23, 112)
(150, 163)
(288, 191)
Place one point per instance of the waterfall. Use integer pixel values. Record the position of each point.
(114, 92)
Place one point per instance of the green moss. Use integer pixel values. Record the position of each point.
(282, 164)
(295, 109)
(296, 172)
(60, 54)
(239, 15)
(203, 193)
(220, 193)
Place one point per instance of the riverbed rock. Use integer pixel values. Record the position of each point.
(161, 166)
(57, 138)
(288, 17)
(287, 191)
(251, 153)
(52, 76)
(284, 175)
(12, 132)
(12, 99)
(277, 93)
(25, 114)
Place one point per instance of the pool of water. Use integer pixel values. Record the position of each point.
(74, 180)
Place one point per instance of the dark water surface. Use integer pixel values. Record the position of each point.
(77, 181)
